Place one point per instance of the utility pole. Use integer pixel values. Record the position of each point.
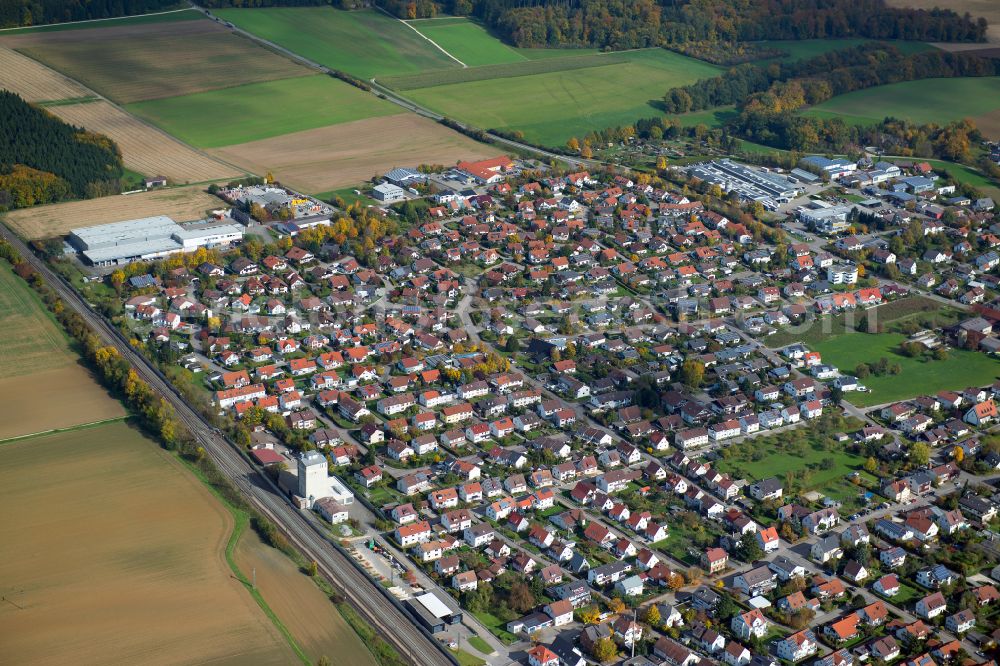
(632, 629)
(255, 578)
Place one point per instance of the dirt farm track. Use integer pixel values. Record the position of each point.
(145, 149)
(181, 203)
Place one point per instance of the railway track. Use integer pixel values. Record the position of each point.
(302, 529)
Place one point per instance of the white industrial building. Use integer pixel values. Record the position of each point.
(751, 183)
(387, 192)
(826, 218)
(148, 238)
(315, 483)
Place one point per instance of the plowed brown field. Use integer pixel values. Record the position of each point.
(139, 62)
(144, 148)
(181, 203)
(326, 158)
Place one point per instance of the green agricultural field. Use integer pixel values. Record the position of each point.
(364, 43)
(509, 70)
(261, 110)
(144, 19)
(30, 341)
(467, 41)
(918, 377)
(552, 107)
(473, 44)
(923, 101)
(710, 117)
(810, 48)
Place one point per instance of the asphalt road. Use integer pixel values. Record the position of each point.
(301, 528)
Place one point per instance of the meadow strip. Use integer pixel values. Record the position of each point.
(502, 71)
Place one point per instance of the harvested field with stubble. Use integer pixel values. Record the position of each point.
(60, 398)
(326, 158)
(146, 149)
(181, 203)
(116, 555)
(153, 61)
(36, 82)
(314, 621)
(36, 363)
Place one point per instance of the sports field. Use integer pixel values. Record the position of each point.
(924, 101)
(119, 558)
(145, 149)
(181, 203)
(365, 43)
(327, 158)
(467, 41)
(261, 110)
(552, 107)
(154, 60)
(918, 377)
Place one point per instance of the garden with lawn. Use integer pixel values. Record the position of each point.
(804, 459)
(923, 375)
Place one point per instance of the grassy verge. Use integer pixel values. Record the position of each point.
(496, 627)
(383, 652)
(466, 659)
(481, 645)
(242, 520)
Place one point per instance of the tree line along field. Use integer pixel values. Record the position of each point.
(365, 43)
(805, 49)
(988, 9)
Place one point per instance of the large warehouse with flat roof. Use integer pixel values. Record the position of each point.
(147, 238)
